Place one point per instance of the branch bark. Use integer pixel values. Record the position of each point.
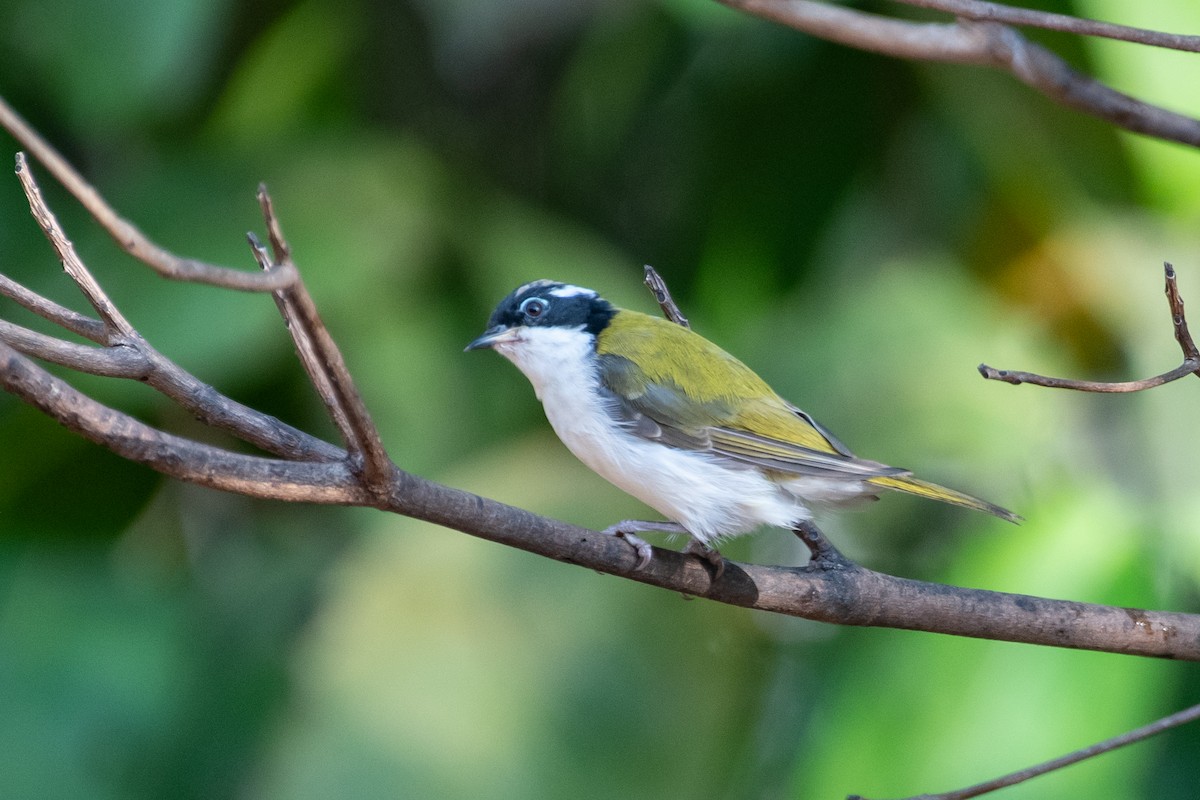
(1029, 17)
(976, 38)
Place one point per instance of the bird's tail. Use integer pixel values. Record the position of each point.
(911, 485)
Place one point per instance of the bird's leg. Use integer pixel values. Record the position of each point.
(629, 528)
(696, 547)
(824, 554)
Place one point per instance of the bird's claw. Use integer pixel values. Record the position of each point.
(644, 552)
(710, 554)
(643, 549)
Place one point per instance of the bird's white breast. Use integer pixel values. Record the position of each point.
(710, 497)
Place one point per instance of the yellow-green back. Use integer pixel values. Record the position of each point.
(713, 389)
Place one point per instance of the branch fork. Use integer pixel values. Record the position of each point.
(1190, 365)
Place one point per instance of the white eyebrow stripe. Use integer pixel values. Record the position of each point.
(572, 291)
(532, 284)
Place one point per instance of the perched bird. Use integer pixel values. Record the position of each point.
(675, 421)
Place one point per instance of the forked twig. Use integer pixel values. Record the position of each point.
(323, 360)
(1190, 365)
(115, 325)
(125, 354)
(976, 38)
(318, 351)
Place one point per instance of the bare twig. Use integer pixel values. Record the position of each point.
(205, 465)
(662, 295)
(1190, 365)
(127, 355)
(318, 350)
(127, 236)
(1032, 18)
(324, 362)
(116, 326)
(1020, 776)
(985, 43)
(73, 321)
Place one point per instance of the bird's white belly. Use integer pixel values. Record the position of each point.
(710, 497)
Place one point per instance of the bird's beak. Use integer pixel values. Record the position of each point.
(492, 337)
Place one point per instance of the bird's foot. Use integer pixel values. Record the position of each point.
(824, 554)
(629, 528)
(710, 554)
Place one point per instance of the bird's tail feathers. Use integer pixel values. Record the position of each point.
(911, 485)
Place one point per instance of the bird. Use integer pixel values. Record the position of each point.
(683, 426)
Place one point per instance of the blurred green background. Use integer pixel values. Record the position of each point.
(861, 230)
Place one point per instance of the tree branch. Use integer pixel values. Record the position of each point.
(205, 465)
(127, 236)
(1190, 365)
(322, 359)
(1032, 18)
(982, 42)
(845, 596)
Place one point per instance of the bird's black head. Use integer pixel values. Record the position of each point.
(547, 304)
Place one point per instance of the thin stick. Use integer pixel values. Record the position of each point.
(117, 326)
(307, 354)
(662, 295)
(109, 362)
(127, 355)
(326, 365)
(127, 236)
(1028, 17)
(1190, 365)
(194, 462)
(73, 321)
(1020, 776)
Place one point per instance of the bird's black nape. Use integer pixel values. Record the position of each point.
(551, 304)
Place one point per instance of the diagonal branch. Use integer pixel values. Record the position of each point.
(1108, 745)
(984, 43)
(115, 325)
(127, 355)
(1190, 365)
(323, 360)
(662, 295)
(76, 323)
(127, 236)
(205, 465)
(1046, 20)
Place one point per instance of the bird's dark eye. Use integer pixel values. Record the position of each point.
(533, 307)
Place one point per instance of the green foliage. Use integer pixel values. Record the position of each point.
(859, 230)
